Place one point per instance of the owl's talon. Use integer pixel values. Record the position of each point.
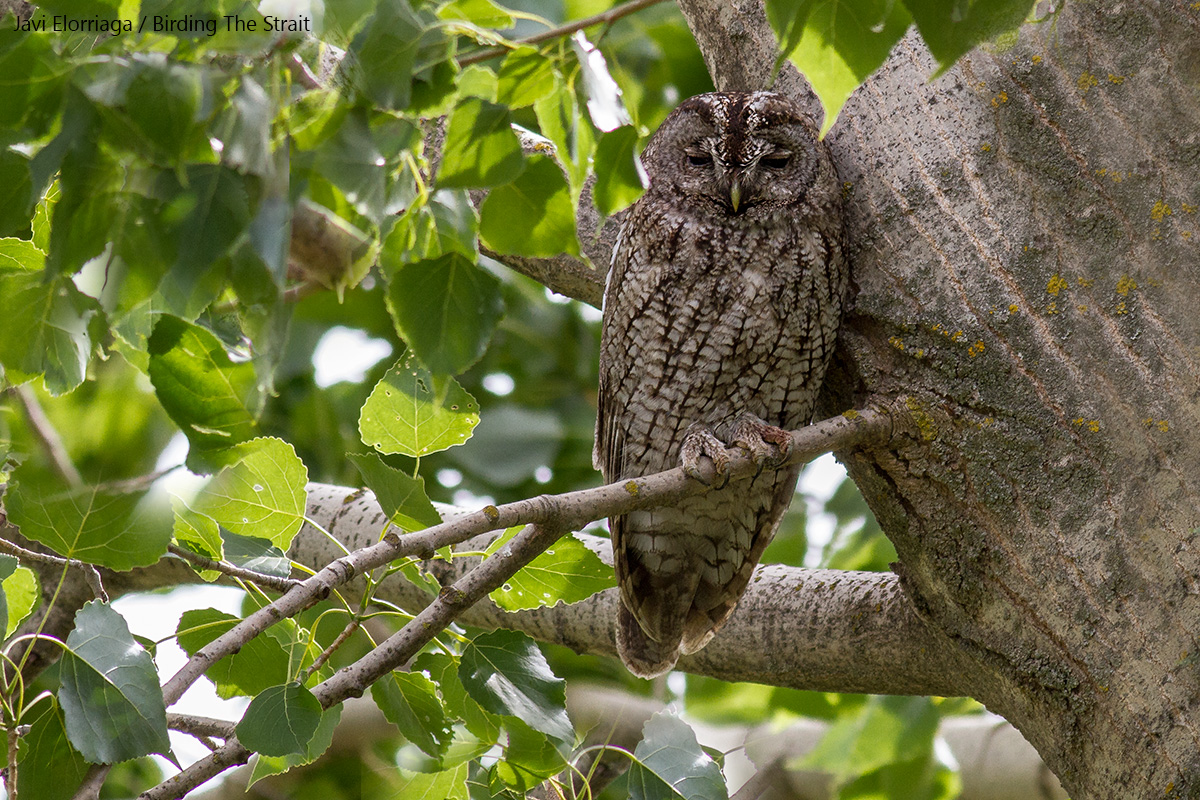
(766, 444)
(699, 442)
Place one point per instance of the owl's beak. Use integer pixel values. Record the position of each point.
(735, 193)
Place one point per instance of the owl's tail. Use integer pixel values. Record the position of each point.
(642, 655)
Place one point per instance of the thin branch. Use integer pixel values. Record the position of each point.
(606, 17)
(45, 433)
(32, 555)
(570, 511)
(199, 727)
(272, 582)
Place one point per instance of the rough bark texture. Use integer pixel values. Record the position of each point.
(1024, 233)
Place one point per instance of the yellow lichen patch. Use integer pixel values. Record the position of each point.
(1160, 211)
(1122, 308)
(896, 342)
(1081, 309)
(1052, 308)
(1086, 81)
(1092, 425)
(999, 99)
(1187, 207)
(632, 488)
(975, 349)
(1055, 285)
(1084, 282)
(1186, 235)
(1036, 59)
(492, 513)
(1013, 309)
(1162, 424)
(851, 414)
(986, 147)
(1117, 79)
(1125, 285)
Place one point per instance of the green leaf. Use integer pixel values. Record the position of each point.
(401, 496)
(529, 758)
(483, 13)
(49, 768)
(413, 413)
(255, 554)
(952, 27)
(213, 400)
(409, 700)
(110, 695)
(22, 595)
(261, 495)
(481, 149)
(208, 213)
(506, 673)
(245, 128)
(620, 178)
(449, 784)
(8, 566)
(258, 665)
(566, 572)
(531, 216)
(443, 669)
(16, 193)
(670, 764)
(446, 223)
(198, 533)
(48, 324)
(445, 309)
(163, 101)
(94, 526)
(525, 77)
(265, 766)
(888, 729)
(386, 52)
(837, 44)
(357, 157)
(281, 721)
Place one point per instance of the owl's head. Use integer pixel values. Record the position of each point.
(738, 154)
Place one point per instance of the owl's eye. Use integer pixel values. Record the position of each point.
(699, 159)
(776, 160)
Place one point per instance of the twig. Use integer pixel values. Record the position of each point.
(200, 727)
(32, 555)
(45, 432)
(272, 582)
(606, 17)
(92, 781)
(320, 660)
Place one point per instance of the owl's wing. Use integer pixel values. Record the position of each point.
(608, 449)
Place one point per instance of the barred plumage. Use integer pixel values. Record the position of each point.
(721, 308)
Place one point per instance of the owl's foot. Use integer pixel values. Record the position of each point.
(766, 444)
(699, 441)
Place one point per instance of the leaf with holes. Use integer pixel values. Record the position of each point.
(413, 413)
(566, 572)
(262, 495)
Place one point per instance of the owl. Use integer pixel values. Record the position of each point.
(720, 312)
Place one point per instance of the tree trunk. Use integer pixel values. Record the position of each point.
(1025, 249)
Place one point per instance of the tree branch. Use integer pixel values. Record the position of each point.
(570, 511)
